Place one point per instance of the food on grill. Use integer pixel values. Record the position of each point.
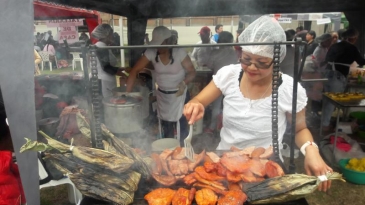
(197, 159)
(157, 166)
(258, 168)
(178, 153)
(165, 179)
(209, 167)
(102, 191)
(183, 196)
(237, 152)
(113, 162)
(164, 156)
(283, 188)
(160, 196)
(268, 153)
(236, 164)
(200, 170)
(257, 152)
(273, 169)
(213, 157)
(140, 164)
(206, 197)
(178, 167)
(233, 177)
(233, 197)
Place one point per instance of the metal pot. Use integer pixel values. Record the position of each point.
(49, 125)
(123, 118)
(119, 91)
(138, 91)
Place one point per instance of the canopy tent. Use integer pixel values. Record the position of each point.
(49, 11)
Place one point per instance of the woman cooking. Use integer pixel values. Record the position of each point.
(107, 69)
(247, 99)
(173, 71)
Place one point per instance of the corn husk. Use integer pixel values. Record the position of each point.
(68, 164)
(112, 162)
(124, 149)
(102, 191)
(61, 147)
(83, 125)
(34, 146)
(283, 189)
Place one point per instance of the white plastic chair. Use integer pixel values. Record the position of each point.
(74, 195)
(76, 57)
(45, 58)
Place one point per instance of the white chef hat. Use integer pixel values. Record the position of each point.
(102, 31)
(264, 29)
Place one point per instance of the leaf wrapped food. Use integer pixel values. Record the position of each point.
(113, 162)
(284, 188)
(124, 149)
(102, 191)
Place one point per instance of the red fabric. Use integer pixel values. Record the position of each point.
(11, 190)
(341, 144)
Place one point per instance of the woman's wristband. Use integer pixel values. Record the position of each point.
(305, 145)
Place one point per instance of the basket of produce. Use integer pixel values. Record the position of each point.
(353, 170)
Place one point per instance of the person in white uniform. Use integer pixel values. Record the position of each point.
(107, 62)
(173, 70)
(247, 99)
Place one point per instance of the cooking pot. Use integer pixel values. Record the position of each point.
(123, 118)
(119, 91)
(49, 125)
(138, 91)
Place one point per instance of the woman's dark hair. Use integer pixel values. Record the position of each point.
(218, 26)
(170, 57)
(225, 37)
(350, 33)
(312, 33)
(340, 33)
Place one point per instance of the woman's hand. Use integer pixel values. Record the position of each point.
(315, 166)
(193, 111)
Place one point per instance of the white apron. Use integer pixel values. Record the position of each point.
(170, 108)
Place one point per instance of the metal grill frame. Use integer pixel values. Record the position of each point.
(96, 95)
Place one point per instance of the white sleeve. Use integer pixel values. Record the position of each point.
(150, 54)
(225, 79)
(286, 96)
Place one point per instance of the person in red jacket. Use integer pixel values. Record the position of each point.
(11, 189)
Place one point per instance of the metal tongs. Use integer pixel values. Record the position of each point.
(189, 151)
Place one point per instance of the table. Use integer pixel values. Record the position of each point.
(340, 105)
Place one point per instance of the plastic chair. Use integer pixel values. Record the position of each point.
(45, 58)
(76, 57)
(74, 195)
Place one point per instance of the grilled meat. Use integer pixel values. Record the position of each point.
(206, 196)
(160, 196)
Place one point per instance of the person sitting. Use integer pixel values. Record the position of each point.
(50, 49)
(247, 94)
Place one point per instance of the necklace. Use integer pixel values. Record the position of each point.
(248, 92)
